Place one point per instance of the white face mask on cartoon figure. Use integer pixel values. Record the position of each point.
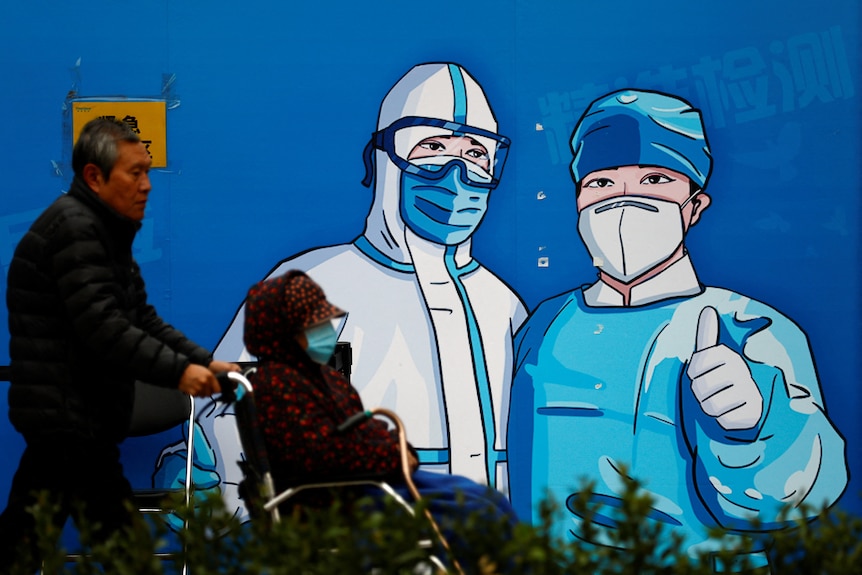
(629, 235)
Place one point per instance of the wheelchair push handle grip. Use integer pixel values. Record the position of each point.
(353, 421)
(228, 387)
(226, 382)
(233, 385)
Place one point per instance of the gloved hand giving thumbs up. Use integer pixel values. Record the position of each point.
(721, 380)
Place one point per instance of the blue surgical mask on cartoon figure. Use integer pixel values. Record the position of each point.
(446, 209)
(321, 342)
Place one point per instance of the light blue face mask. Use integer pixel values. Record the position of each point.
(321, 342)
(444, 210)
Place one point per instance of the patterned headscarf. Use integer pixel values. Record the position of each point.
(277, 309)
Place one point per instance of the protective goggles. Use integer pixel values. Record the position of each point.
(430, 147)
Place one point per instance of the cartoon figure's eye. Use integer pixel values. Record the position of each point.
(477, 154)
(599, 183)
(432, 145)
(656, 178)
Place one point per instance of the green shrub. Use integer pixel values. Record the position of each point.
(383, 539)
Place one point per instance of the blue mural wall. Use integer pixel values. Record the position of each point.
(270, 105)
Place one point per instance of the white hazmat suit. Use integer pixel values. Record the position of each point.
(430, 328)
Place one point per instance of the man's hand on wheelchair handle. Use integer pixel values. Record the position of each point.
(198, 381)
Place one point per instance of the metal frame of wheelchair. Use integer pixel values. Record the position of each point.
(256, 467)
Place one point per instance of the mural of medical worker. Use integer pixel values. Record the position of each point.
(708, 397)
(430, 328)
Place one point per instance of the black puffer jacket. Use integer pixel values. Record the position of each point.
(81, 329)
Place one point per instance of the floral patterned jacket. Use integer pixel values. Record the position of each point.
(301, 403)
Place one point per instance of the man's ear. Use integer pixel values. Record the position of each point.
(699, 203)
(93, 177)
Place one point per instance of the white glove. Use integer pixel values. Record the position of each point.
(721, 380)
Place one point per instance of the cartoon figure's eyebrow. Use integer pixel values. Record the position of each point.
(451, 136)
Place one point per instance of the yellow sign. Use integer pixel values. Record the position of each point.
(146, 117)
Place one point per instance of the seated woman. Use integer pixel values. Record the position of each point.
(301, 401)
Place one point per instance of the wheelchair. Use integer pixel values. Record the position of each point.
(258, 487)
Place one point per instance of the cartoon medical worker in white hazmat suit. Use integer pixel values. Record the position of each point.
(430, 328)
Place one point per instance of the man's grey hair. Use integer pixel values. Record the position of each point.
(97, 144)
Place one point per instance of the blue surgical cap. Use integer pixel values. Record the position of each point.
(638, 128)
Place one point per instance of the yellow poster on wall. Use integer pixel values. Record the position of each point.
(146, 117)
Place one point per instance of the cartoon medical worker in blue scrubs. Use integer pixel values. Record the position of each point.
(708, 397)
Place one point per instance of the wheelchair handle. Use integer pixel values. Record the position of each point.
(233, 385)
(353, 421)
(408, 472)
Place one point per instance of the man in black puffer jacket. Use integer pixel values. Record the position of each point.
(82, 333)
